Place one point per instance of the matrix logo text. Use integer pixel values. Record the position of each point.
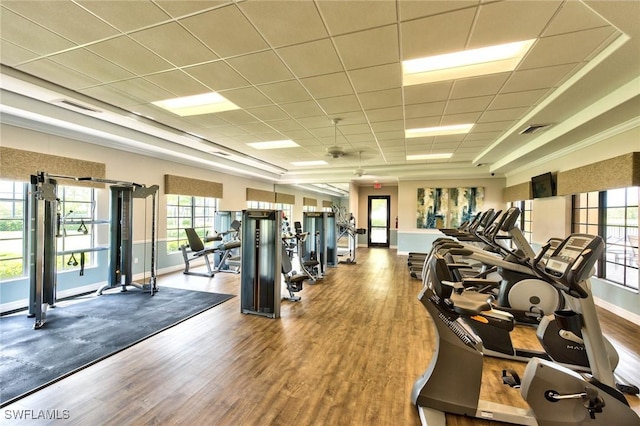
(37, 414)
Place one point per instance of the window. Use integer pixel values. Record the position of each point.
(259, 205)
(13, 249)
(613, 215)
(526, 217)
(77, 218)
(188, 212)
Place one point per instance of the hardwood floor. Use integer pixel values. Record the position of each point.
(347, 354)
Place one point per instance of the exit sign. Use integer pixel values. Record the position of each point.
(377, 185)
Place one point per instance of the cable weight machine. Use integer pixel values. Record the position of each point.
(44, 226)
(121, 237)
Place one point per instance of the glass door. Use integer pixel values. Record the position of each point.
(379, 212)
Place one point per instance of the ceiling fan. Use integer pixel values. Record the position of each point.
(336, 151)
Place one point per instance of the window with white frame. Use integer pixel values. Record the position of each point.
(76, 207)
(526, 216)
(13, 249)
(185, 211)
(613, 215)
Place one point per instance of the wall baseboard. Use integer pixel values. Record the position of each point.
(623, 313)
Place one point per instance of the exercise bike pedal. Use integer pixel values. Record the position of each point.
(628, 389)
(511, 378)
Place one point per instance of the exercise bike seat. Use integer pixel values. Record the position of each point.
(475, 307)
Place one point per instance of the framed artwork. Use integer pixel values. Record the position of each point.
(447, 207)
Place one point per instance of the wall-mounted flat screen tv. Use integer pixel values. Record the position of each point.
(543, 186)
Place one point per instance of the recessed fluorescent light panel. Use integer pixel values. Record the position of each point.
(206, 103)
(273, 144)
(310, 163)
(455, 129)
(429, 156)
(466, 63)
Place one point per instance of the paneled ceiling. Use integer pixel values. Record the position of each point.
(296, 68)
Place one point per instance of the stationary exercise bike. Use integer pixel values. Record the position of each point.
(556, 395)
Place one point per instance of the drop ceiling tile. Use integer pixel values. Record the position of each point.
(381, 98)
(446, 146)
(361, 138)
(478, 86)
(448, 141)
(127, 15)
(519, 20)
(178, 83)
(285, 125)
(11, 54)
(502, 114)
(237, 116)
(285, 22)
(574, 16)
(206, 120)
(411, 9)
(428, 109)
(481, 136)
(55, 73)
(246, 97)
(258, 128)
(175, 44)
(64, 18)
(142, 89)
(130, 55)
(539, 78)
(566, 48)
(496, 126)
(302, 109)
(446, 33)
(393, 135)
(457, 106)
(112, 96)
(378, 46)
(91, 64)
(377, 78)
(312, 58)
(518, 99)
(268, 113)
(392, 143)
(388, 126)
(285, 91)
(217, 75)
(418, 123)
(180, 8)
(385, 114)
(262, 67)
(297, 134)
(226, 131)
(28, 35)
(315, 122)
(226, 31)
(339, 104)
(351, 117)
(465, 118)
(423, 93)
(355, 129)
(346, 17)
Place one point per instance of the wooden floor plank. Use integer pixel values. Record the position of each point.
(347, 354)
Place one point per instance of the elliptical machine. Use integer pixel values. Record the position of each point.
(556, 395)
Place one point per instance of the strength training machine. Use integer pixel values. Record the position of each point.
(43, 228)
(260, 275)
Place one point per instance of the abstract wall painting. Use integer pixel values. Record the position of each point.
(447, 207)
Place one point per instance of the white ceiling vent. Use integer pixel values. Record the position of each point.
(534, 128)
(75, 105)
